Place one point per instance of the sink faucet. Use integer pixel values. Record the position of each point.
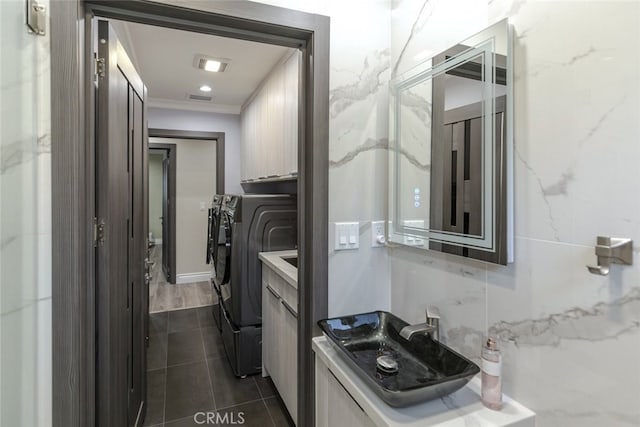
(431, 326)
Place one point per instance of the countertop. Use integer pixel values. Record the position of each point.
(460, 409)
(285, 270)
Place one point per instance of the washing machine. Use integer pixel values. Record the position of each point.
(251, 224)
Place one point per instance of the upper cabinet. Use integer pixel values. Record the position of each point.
(451, 163)
(269, 123)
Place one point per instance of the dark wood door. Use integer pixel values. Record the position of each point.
(457, 196)
(166, 221)
(121, 191)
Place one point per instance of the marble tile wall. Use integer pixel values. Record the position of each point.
(571, 340)
(360, 70)
(25, 222)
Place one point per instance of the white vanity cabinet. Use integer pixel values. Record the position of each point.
(280, 329)
(334, 404)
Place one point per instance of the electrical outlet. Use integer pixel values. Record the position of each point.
(378, 237)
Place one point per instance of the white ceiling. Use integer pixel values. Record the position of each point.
(165, 60)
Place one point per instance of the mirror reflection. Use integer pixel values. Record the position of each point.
(450, 138)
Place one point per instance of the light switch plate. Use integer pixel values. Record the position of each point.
(347, 235)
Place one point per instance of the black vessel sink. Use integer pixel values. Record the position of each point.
(424, 369)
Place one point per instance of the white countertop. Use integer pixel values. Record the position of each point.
(460, 409)
(285, 270)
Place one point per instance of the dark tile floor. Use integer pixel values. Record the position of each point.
(188, 372)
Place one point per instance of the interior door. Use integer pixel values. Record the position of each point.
(166, 220)
(121, 248)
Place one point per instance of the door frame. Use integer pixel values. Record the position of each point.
(73, 175)
(173, 158)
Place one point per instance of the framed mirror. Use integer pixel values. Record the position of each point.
(451, 140)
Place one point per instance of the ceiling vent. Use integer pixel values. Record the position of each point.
(208, 63)
(200, 97)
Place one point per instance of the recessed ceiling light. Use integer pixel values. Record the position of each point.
(205, 88)
(213, 66)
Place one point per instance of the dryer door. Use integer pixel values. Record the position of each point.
(223, 265)
(217, 235)
(209, 253)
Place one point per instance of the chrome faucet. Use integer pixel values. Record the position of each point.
(431, 326)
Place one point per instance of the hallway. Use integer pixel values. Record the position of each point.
(187, 373)
(164, 296)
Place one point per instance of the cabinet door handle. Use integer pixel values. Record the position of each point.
(289, 309)
(274, 293)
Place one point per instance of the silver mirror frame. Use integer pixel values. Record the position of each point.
(482, 44)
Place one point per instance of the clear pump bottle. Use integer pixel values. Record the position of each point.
(491, 375)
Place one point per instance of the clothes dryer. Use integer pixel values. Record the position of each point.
(251, 224)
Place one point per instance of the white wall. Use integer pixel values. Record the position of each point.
(195, 187)
(571, 340)
(155, 194)
(25, 222)
(207, 122)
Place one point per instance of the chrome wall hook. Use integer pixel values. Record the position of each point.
(611, 250)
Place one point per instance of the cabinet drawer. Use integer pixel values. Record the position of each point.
(284, 290)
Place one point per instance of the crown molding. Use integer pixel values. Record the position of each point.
(171, 104)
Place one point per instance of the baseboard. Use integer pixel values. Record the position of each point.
(157, 241)
(193, 277)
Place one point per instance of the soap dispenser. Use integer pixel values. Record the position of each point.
(491, 375)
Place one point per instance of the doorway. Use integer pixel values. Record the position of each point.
(162, 215)
(176, 350)
(165, 140)
(74, 167)
(178, 280)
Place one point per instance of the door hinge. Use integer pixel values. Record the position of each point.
(36, 17)
(98, 232)
(99, 67)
